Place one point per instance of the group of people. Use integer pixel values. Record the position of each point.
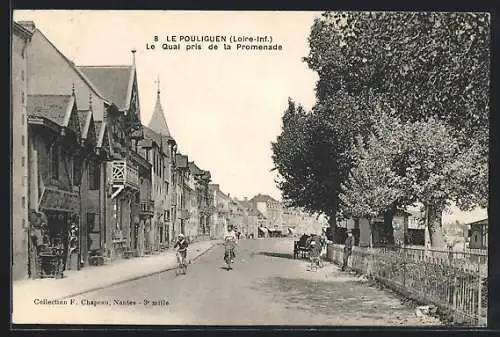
(231, 235)
(316, 245)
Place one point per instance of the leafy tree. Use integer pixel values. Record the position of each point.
(418, 65)
(415, 65)
(407, 162)
(305, 178)
(424, 64)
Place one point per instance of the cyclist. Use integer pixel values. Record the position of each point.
(230, 235)
(314, 248)
(181, 244)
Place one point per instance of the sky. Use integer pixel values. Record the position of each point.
(223, 107)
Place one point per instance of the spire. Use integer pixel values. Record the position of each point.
(158, 86)
(158, 123)
(133, 56)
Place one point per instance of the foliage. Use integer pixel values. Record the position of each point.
(407, 162)
(302, 159)
(424, 64)
(432, 70)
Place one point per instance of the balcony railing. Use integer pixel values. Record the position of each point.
(147, 207)
(124, 173)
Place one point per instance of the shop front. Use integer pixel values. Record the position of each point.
(54, 234)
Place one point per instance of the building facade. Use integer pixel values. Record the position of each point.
(54, 183)
(19, 153)
(221, 214)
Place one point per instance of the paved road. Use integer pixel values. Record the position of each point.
(266, 286)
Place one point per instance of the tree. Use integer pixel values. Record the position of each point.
(424, 67)
(423, 64)
(418, 65)
(407, 162)
(298, 154)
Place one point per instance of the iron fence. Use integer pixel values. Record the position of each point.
(456, 282)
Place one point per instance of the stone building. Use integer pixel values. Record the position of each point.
(221, 215)
(19, 152)
(159, 148)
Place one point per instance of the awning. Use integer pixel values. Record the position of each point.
(263, 229)
(291, 230)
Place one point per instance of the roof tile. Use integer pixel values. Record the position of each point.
(112, 81)
(52, 107)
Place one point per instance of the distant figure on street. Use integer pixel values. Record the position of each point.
(182, 245)
(349, 242)
(231, 236)
(324, 240)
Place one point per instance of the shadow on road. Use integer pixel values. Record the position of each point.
(280, 255)
(348, 298)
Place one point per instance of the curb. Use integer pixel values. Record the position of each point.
(135, 278)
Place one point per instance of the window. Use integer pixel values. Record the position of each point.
(22, 140)
(54, 162)
(22, 161)
(94, 175)
(22, 97)
(22, 75)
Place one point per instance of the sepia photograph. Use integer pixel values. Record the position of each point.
(250, 168)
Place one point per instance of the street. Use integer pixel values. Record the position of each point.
(266, 287)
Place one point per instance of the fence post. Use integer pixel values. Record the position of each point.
(405, 259)
(479, 291)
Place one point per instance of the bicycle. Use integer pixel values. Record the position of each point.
(315, 259)
(228, 253)
(181, 263)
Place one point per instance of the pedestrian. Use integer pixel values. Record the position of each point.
(349, 242)
(324, 241)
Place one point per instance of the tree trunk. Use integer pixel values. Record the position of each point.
(332, 221)
(434, 224)
(388, 230)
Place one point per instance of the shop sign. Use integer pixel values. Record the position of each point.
(59, 200)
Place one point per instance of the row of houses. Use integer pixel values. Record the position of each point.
(90, 181)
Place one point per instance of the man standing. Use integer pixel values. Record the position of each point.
(349, 242)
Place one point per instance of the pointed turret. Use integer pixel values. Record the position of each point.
(158, 122)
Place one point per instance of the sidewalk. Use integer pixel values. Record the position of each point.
(92, 278)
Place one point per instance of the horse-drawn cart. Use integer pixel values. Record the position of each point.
(300, 247)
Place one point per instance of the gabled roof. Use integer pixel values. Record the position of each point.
(480, 222)
(30, 26)
(150, 134)
(115, 82)
(262, 198)
(195, 170)
(181, 161)
(158, 123)
(102, 134)
(85, 117)
(56, 108)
